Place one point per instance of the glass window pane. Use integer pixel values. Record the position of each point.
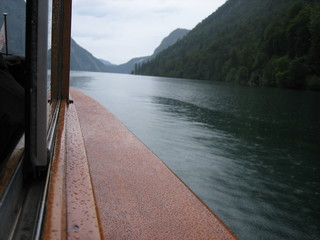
(16, 15)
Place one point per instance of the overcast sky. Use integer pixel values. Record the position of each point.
(119, 30)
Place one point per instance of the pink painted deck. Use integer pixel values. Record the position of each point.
(136, 195)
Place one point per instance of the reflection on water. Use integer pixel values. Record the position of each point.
(251, 154)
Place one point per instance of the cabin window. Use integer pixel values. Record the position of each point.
(29, 58)
(12, 76)
(16, 25)
(31, 112)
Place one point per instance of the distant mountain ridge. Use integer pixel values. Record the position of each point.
(171, 39)
(129, 66)
(105, 62)
(83, 60)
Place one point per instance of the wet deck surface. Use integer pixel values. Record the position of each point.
(137, 196)
(82, 218)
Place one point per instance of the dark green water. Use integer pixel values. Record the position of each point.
(251, 154)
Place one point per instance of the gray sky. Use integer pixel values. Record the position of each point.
(119, 30)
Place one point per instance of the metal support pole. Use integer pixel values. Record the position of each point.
(36, 94)
(5, 31)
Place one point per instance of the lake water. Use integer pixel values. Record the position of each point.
(251, 154)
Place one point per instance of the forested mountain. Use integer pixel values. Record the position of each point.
(128, 67)
(267, 43)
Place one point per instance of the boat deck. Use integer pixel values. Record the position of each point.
(106, 184)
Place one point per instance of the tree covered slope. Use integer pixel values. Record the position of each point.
(267, 43)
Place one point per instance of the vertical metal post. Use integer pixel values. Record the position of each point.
(36, 56)
(6, 32)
